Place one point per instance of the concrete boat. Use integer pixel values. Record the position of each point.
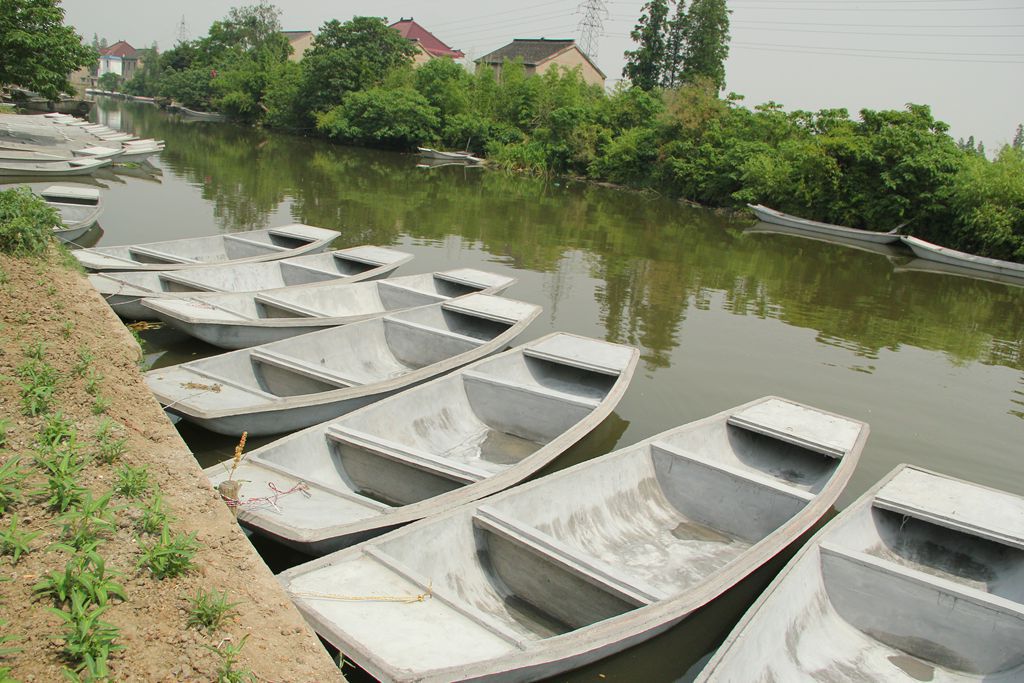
(124, 291)
(315, 377)
(441, 155)
(577, 565)
(238, 321)
(768, 215)
(268, 244)
(79, 208)
(28, 167)
(922, 579)
(968, 262)
(450, 441)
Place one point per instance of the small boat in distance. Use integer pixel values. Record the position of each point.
(810, 227)
(79, 208)
(250, 246)
(921, 579)
(315, 377)
(428, 449)
(580, 564)
(212, 116)
(124, 291)
(466, 157)
(949, 260)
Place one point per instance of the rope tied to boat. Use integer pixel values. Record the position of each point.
(233, 500)
(405, 599)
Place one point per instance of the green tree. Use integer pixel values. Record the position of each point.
(109, 81)
(37, 51)
(644, 64)
(707, 42)
(675, 46)
(353, 56)
(1018, 138)
(385, 118)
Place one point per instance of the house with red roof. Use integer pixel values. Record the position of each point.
(120, 58)
(427, 44)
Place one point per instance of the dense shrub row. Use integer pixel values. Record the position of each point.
(357, 85)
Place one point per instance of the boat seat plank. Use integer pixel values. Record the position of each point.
(231, 383)
(762, 480)
(270, 300)
(408, 455)
(583, 353)
(256, 243)
(940, 585)
(301, 367)
(369, 256)
(493, 308)
(589, 568)
(163, 256)
(535, 390)
(968, 508)
(473, 614)
(436, 298)
(472, 341)
(182, 278)
(337, 491)
(814, 430)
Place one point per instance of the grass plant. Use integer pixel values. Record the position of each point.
(66, 329)
(85, 574)
(209, 609)
(84, 362)
(56, 430)
(92, 381)
(36, 351)
(108, 448)
(100, 405)
(38, 386)
(154, 515)
(12, 477)
(228, 653)
(132, 482)
(5, 426)
(62, 468)
(88, 639)
(87, 521)
(169, 556)
(15, 543)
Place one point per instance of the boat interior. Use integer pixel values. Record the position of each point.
(211, 249)
(358, 299)
(928, 581)
(614, 534)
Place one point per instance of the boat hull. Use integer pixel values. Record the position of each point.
(1006, 270)
(810, 227)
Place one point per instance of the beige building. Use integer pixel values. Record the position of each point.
(300, 42)
(540, 54)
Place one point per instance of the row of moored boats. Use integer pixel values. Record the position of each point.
(436, 562)
(932, 257)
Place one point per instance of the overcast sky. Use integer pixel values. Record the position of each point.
(963, 57)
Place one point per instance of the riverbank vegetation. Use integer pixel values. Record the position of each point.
(114, 563)
(671, 132)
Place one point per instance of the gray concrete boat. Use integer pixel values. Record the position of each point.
(577, 565)
(944, 256)
(315, 377)
(268, 244)
(922, 579)
(238, 321)
(124, 291)
(768, 215)
(49, 169)
(79, 209)
(450, 441)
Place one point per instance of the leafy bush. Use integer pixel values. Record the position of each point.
(26, 223)
(398, 119)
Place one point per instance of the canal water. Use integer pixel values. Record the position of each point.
(721, 314)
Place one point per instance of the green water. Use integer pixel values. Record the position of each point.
(934, 363)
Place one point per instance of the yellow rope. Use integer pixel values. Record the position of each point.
(365, 598)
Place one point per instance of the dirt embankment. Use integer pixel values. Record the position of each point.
(51, 317)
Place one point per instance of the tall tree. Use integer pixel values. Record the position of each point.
(1018, 139)
(644, 64)
(37, 51)
(707, 42)
(356, 55)
(675, 44)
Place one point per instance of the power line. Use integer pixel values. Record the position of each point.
(884, 54)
